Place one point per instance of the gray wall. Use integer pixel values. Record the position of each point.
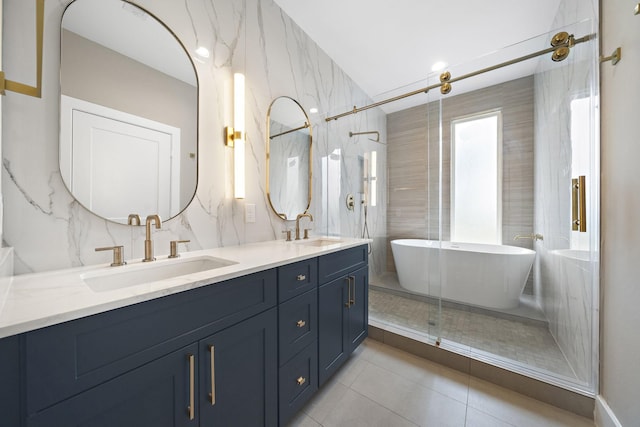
(413, 162)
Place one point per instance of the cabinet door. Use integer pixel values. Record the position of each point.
(157, 394)
(333, 341)
(239, 374)
(359, 307)
(10, 391)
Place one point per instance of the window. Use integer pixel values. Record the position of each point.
(476, 175)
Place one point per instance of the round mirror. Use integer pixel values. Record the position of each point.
(128, 112)
(288, 158)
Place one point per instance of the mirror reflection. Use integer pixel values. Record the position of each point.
(288, 158)
(128, 112)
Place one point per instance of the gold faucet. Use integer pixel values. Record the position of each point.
(148, 244)
(302, 215)
(134, 219)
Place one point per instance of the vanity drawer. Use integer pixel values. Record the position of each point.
(65, 359)
(297, 324)
(297, 278)
(334, 265)
(298, 382)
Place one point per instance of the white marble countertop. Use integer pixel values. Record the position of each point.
(33, 301)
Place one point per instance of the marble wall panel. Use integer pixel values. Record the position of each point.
(49, 230)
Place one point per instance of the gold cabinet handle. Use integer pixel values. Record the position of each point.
(348, 303)
(191, 409)
(301, 323)
(579, 204)
(352, 281)
(301, 380)
(212, 395)
(301, 277)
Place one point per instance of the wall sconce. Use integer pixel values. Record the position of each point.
(235, 136)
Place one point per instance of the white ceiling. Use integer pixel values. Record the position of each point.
(384, 45)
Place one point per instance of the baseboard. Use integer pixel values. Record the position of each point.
(604, 416)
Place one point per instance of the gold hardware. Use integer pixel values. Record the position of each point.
(117, 255)
(304, 126)
(301, 278)
(572, 41)
(560, 54)
(348, 303)
(445, 88)
(301, 323)
(191, 409)
(560, 38)
(148, 244)
(230, 135)
(173, 248)
(306, 233)
(212, 395)
(352, 134)
(133, 218)
(445, 77)
(20, 87)
(579, 204)
(300, 216)
(636, 10)
(615, 57)
(301, 380)
(352, 280)
(288, 233)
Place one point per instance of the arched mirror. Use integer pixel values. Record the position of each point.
(128, 112)
(288, 158)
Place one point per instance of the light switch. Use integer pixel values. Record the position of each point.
(250, 212)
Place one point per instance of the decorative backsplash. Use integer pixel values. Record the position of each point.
(49, 230)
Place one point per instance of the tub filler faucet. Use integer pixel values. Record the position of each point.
(148, 244)
(532, 236)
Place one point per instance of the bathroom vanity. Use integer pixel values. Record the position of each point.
(246, 344)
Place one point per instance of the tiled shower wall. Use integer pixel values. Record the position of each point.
(49, 230)
(413, 161)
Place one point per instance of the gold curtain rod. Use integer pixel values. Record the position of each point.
(304, 126)
(22, 88)
(446, 80)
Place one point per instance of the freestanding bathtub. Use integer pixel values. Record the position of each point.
(490, 276)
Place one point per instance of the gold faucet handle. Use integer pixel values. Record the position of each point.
(117, 255)
(306, 233)
(288, 233)
(173, 248)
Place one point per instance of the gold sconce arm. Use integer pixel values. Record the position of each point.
(22, 88)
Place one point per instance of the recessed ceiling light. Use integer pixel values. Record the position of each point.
(202, 52)
(438, 66)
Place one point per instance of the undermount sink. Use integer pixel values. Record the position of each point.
(322, 241)
(126, 276)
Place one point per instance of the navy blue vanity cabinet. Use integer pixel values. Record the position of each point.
(161, 393)
(297, 335)
(10, 385)
(238, 381)
(342, 307)
(143, 365)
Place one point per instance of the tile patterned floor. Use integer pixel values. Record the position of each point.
(383, 386)
(525, 342)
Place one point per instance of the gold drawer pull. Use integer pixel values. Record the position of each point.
(212, 395)
(191, 409)
(301, 277)
(301, 323)
(301, 380)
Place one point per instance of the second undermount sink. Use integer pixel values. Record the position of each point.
(126, 276)
(321, 241)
